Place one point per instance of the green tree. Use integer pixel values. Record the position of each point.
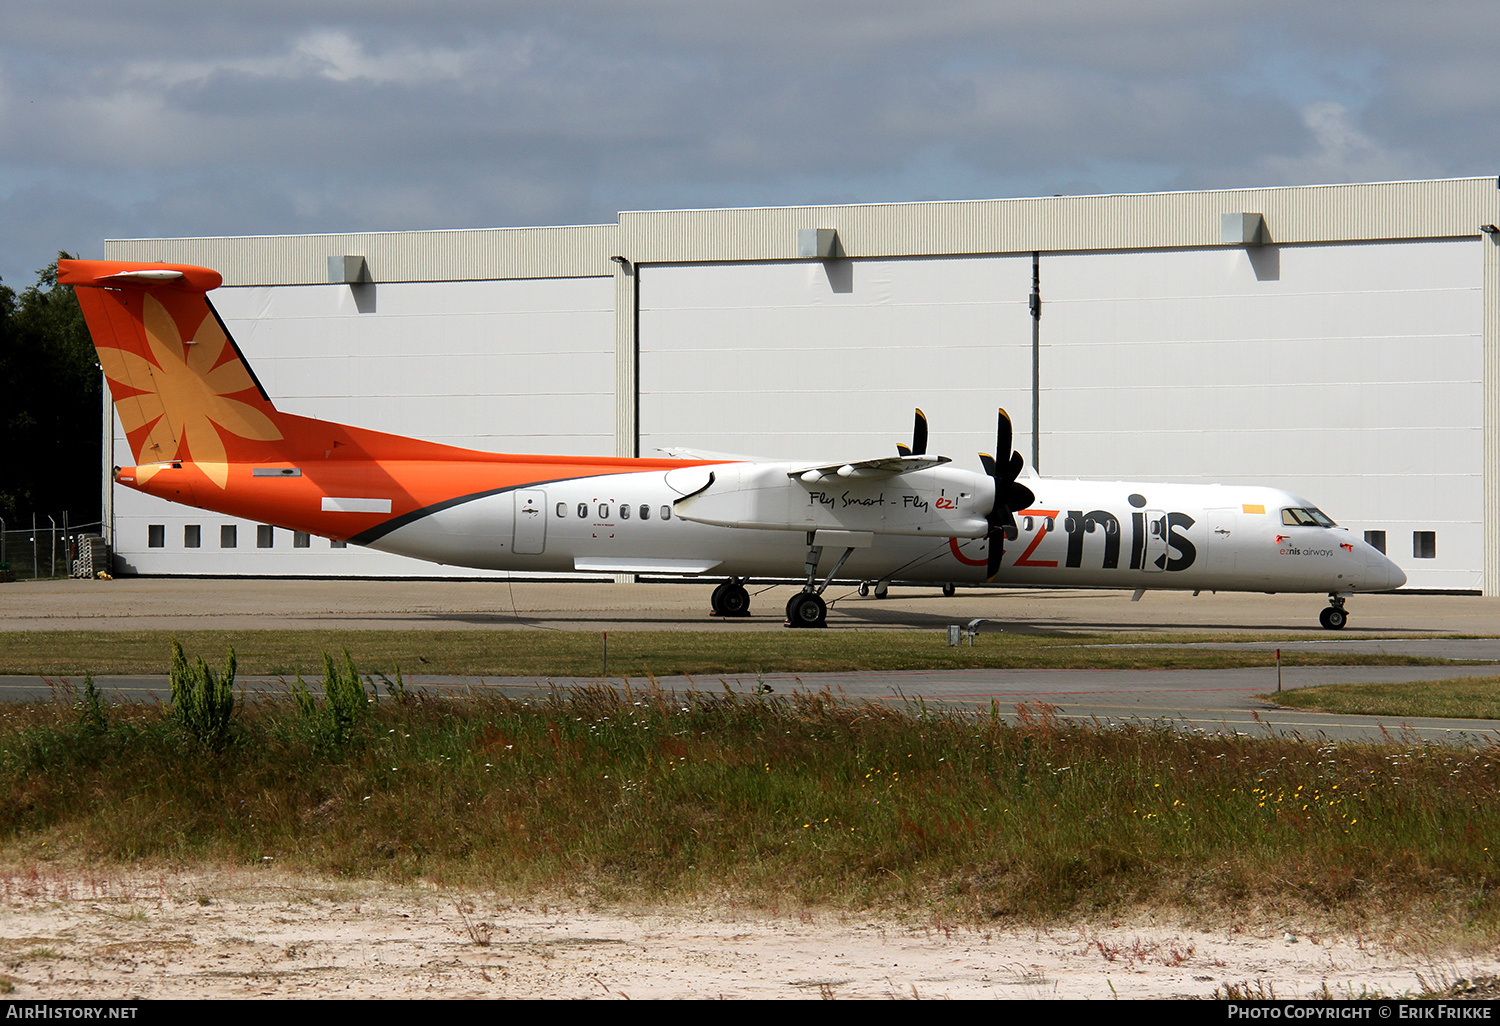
(49, 404)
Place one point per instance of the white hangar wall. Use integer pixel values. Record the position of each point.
(1351, 374)
(827, 361)
(1350, 351)
(508, 366)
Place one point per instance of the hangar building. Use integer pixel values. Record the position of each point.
(1340, 341)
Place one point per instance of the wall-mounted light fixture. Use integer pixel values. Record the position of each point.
(818, 244)
(1489, 229)
(348, 270)
(1240, 229)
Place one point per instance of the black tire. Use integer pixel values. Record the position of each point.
(1333, 619)
(950, 590)
(807, 610)
(716, 601)
(864, 588)
(735, 601)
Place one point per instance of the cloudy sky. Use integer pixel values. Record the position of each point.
(174, 118)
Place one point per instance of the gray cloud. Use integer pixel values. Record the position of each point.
(175, 118)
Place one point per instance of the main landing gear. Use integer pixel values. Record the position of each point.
(1333, 618)
(730, 599)
(807, 608)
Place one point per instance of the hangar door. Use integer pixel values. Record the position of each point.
(510, 366)
(826, 360)
(1349, 373)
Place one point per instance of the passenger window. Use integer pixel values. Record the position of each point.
(645, 512)
(562, 509)
(666, 512)
(624, 511)
(583, 511)
(1029, 523)
(603, 511)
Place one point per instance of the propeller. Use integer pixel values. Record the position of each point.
(918, 445)
(1010, 495)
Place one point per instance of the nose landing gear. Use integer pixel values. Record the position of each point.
(1334, 618)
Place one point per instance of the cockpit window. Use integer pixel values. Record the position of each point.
(1311, 516)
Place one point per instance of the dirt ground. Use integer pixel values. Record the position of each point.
(252, 933)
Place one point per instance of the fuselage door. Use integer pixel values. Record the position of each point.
(531, 522)
(1223, 544)
(1156, 541)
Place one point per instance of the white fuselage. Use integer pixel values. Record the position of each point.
(753, 520)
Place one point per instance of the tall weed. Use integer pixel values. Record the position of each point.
(202, 704)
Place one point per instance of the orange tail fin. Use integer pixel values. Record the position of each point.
(181, 387)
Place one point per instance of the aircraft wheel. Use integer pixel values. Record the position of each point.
(880, 589)
(807, 609)
(950, 590)
(735, 601)
(1333, 619)
(716, 601)
(864, 588)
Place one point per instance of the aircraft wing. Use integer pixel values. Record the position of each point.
(884, 466)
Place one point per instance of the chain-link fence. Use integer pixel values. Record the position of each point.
(43, 546)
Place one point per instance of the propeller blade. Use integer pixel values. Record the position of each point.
(1003, 435)
(1009, 494)
(919, 435)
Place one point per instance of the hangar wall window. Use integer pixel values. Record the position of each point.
(1376, 540)
(334, 543)
(156, 536)
(192, 536)
(300, 540)
(228, 536)
(265, 536)
(1424, 544)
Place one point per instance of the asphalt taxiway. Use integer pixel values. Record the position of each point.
(1432, 626)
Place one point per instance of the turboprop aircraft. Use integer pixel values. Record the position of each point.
(203, 432)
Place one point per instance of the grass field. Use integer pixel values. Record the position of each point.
(784, 802)
(637, 653)
(1462, 697)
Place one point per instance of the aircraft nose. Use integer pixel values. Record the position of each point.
(1383, 575)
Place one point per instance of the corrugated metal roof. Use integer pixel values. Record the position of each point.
(1296, 214)
(1299, 214)
(462, 254)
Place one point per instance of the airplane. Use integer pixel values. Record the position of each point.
(205, 433)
